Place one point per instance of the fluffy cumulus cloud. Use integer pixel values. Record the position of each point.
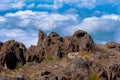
(25, 24)
(27, 37)
(22, 25)
(84, 3)
(11, 4)
(103, 29)
(39, 20)
(53, 4)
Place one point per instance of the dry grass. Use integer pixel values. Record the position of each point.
(84, 54)
(93, 76)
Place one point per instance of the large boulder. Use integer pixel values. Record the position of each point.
(34, 54)
(52, 44)
(113, 45)
(11, 53)
(80, 40)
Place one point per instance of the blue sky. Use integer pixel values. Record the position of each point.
(22, 19)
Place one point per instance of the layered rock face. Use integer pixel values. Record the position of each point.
(11, 53)
(55, 45)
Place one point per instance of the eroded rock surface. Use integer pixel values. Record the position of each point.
(54, 57)
(55, 45)
(11, 53)
(113, 45)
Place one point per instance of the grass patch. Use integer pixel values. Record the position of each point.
(93, 76)
(84, 54)
(19, 65)
(31, 63)
(48, 58)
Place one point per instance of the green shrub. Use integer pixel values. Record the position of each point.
(31, 63)
(93, 76)
(49, 58)
(19, 65)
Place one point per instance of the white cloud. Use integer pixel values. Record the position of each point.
(99, 26)
(11, 4)
(85, 3)
(2, 19)
(27, 37)
(31, 6)
(54, 4)
(23, 25)
(17, 5)
(39, 20)
(48, 6)
(12, 33)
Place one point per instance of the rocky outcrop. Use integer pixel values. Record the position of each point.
(1, 44)
(11, 53)
(34, 54)
(80, 40)
(113, 45)
(52, 44)
(41, 37)
(57, 46)
(60, 58)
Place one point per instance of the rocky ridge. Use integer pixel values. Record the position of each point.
(74, 57)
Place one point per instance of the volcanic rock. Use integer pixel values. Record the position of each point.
(34, 53)
(52, 44)
(41, 37)
(113, 45)
(45, 73)
(11, 53)
(79, 41)
(57, 58)
(1, 44)
(55, 45)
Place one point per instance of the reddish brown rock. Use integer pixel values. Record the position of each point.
(34, 53)
(113, 45)
(79, 40)
(41, 37)
(1, 44)
(103, 63)
(52, 44)
(55, 45)
(11, 53)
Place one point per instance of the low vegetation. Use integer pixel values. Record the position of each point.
(93, 76)
(49, 58)
(19, 65)
(84, 54)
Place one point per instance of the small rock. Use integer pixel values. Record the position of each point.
(45, 73)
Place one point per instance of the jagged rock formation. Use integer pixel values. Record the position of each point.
(61, 58)
(34, 54)
(80, 40)
(55, 45)
(11, 53)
